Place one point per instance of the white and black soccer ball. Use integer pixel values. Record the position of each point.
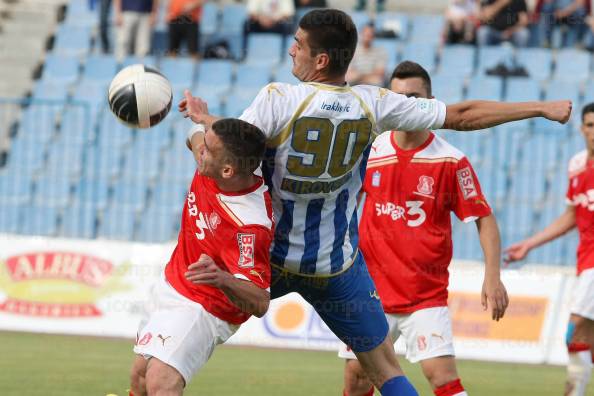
(140, 96)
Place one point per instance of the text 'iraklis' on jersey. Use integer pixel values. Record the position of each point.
(335, 106)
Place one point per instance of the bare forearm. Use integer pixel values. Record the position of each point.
(490, 243)
(481, 114)
(560, 226)
(246, 296)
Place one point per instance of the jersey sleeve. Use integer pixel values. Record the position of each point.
(397, 112)
(262, 111)
(469, 203)
(570, 191)
(248, 256)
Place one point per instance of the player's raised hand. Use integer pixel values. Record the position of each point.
(194, 108)
(494, 295)
(558, 110)
(206, 272)
(516, 252)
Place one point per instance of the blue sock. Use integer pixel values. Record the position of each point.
(398, 386)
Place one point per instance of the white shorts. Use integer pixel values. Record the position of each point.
(427, 334)
(178, 331)
(583, 295)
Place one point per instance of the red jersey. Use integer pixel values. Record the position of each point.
(405, 230)
(235, 230)
(580, 194)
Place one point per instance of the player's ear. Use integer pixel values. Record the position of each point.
(228, 171)
(322, 61)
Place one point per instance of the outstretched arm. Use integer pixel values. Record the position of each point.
(197, 110)
(560, 226)
(481, 114)
(493, 292)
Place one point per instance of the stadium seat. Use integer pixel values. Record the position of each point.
(79, 14)
(536, 61)
(522, 90)
(484, 88)
(563, 89)
(457, 60)
(60, 69)
(491, 56)
(158, 224)
(572, 65)
(10, 220)
(38, 122)
(15, 188)
(422, 53)
(117, 223)
(92, 192)
(448, 89)
(235, 105)
(179, 71)
(100, 69)
(250, 79)
(394, 22)
(178, 167)
(65, 160)
(103, 162)
(52, 191)
(79, 222)
(209, 24)
(76, 126)
(39, 220)
(214, 76)
(130, 194)
(389, 45)
(169, 194)
(141, 164)
(588, 93)
(232, 25)
(50, 90)
(360, 19)
(25, 157)
(112, 133)
(284, 74)
(134, 60)
(264, 49)
(466, 242)
(426, 28)
(72, 41)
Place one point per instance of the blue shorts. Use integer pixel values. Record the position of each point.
(348, 303)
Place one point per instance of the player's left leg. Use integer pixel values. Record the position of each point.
(162, 379)
(442, 375)
(138, 377)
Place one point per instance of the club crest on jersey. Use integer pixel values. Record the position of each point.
(214, 220)
(247, 244)
(425, 185)
(376, 178)
(466, 183)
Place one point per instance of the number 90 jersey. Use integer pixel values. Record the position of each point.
(318, 141)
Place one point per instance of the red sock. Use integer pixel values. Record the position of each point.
(451, 388)
(575, 347)
(369, 393)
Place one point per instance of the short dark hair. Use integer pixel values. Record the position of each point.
(332, 32)
(244, 143)
(409, 69)
(589, 108)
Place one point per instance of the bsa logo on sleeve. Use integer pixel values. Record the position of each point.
(247, 244)
(466, 182)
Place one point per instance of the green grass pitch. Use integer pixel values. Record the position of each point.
(39, 364)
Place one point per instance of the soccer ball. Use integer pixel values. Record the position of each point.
(140, 96)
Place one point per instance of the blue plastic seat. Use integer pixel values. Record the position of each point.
(113, 133)
(50, 90)
(178, 167)
(426, 28)
(393, 21)
(491, 56)
(60, 69)
(158, 225)
(233, 21)
(100, 69)
(79, 14)
(25, 156)
(103, 162)
(235, 105)
(457, 60)
(536, 61)
(141, 165)
(130, 194)
(79, 221)
(209, 23)
(562, 90)
(422, 53)
(179, 71)
(52, 191)
(485, 88)
(284, 74)
(39, 220)
(65, 160)
(264, 49)
(133, 60)
(214, 76)
(118, 223)
(572, 65)
(389, 45)
(448, 89)
(251, 79)
(522, 90)
(169, 194)
(10, 220)
(360, 19)
(93, 193)
(72, 40)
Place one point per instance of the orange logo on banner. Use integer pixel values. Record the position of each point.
(523, 319)
(57, 284)
(289, 316)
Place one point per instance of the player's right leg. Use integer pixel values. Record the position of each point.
(138, 377)
(442, 375)
(356, 381)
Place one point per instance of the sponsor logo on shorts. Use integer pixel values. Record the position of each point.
(438, 336)
(145, 339)
(163, 339)
(247, 243)
(421, 343)
(466, 183)
(374, 294)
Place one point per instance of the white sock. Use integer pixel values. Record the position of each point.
(579, 370)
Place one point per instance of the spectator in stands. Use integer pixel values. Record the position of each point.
(310, 4)
(104, 7)
(134, 20)
(369, 63)
(461, 20)
(503, 20)
(589, 35)
(183, 18)
(362, 5)
(270, 16)
(570, 15)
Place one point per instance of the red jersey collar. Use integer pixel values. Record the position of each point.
(212, 186)
(410, 152)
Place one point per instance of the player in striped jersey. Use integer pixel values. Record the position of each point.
(579, 213)
(414, 182)
(319, 135)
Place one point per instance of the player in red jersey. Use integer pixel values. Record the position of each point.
(413, 182)
(578, 213)
(219, 273)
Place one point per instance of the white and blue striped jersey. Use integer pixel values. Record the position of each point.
(319, 137)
